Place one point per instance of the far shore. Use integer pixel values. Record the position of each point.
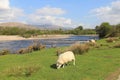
(17, 37)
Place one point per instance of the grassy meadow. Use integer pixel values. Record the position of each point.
(99, 63)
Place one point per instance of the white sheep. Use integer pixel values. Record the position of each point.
(92, 40)
(64, 58)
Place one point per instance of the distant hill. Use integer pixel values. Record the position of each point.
(30, 26)
(17, 24)
(48, 27)
(52, 27)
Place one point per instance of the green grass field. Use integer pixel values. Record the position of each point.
(97, 64)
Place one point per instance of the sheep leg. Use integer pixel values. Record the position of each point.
(73, 62)
(63, 66)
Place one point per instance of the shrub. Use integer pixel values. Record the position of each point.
(30, 49)
(37, 46)
(117, 46)
(91, 44)
(79, 48)
(34, 47)
(112, 39)
(4, 52)
(22, 51)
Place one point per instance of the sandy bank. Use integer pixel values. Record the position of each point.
(16, 37)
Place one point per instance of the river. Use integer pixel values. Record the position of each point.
(16, 45)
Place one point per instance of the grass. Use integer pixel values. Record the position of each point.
(97, 64)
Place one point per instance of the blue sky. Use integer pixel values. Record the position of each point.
(67, 13)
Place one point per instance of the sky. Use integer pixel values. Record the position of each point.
(66, 13)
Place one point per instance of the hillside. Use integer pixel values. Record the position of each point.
(33, 26)
(17, 24)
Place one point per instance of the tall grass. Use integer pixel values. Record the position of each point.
(4, 52)
(79, 48)
(18, 71)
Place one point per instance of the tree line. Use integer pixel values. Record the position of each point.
(28, 32)
(103, 30)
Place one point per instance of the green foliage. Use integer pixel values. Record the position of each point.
(79, 28)
(83, 32)
(117, 30)
(104, 30)
(107, 30)
(30, 32)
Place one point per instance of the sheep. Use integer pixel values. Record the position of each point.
(92, 40)
(64, 58)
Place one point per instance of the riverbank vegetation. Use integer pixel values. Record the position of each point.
(99, 63)
(34, 32)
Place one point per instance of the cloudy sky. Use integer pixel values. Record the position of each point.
(67, 13)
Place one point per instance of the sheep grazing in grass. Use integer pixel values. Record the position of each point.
(64, 58)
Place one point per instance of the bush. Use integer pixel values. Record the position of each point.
(38, 46)
(117, 46)
(30, 49)
(22, 51)
(4, 52)
(79, 48)
(91, 44)
(112, 39)
(34, 47)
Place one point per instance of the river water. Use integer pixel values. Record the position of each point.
(16, 45)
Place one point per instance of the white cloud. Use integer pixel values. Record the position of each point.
(8, 13)
(37, 19)
(49, 15)
(4, 4)
(109, 13)
(50, 11)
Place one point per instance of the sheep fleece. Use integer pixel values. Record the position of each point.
(66, 57)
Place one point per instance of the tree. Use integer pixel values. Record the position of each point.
(79, 28)
(104, 30)
(97, 29)
(118, 29)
